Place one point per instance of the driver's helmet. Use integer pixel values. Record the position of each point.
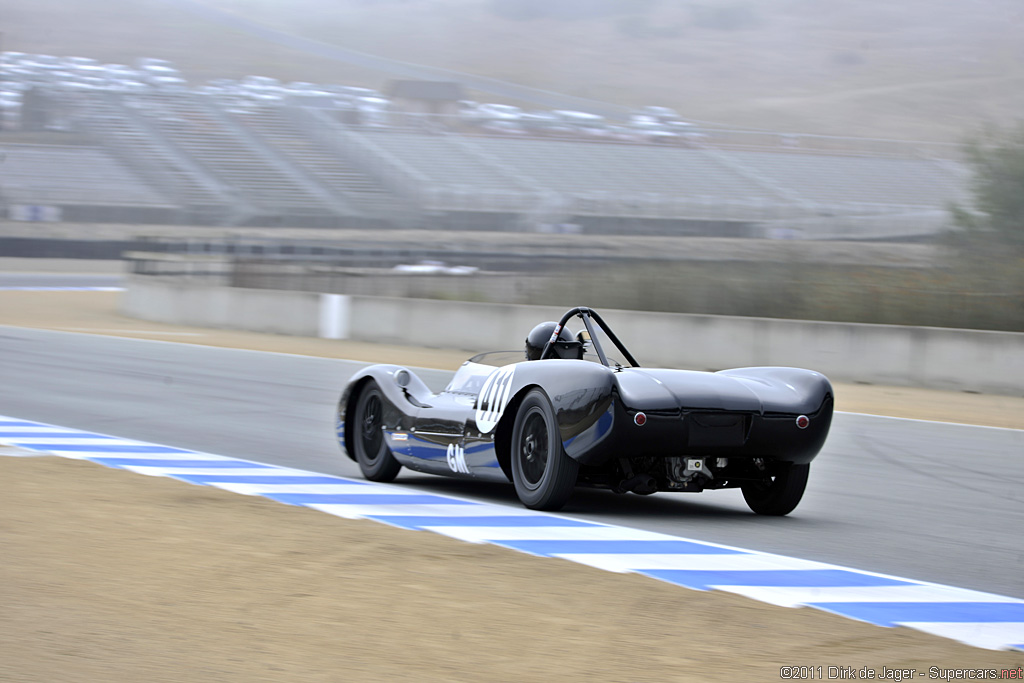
(539, 337)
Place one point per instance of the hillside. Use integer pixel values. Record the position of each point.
(920, 69)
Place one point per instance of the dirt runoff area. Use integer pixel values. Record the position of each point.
(113, 576)
(106, 575)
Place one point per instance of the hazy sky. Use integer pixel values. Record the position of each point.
(918, 68)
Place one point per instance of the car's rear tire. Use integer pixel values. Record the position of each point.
(368, 443)
(780, 494)
(544, 476)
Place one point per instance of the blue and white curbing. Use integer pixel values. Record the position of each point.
(980, 619)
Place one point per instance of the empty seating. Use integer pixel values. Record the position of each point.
(201, 135)
(440, 159)
(248, 161)
(333, 172)
(55, 174)
(839, 179)
(115, 127)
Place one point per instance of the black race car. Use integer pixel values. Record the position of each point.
(570, 415)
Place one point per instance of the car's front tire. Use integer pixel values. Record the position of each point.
(544, 476)
(368, 443)
(780, 494)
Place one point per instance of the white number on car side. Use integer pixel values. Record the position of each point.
(493, 398)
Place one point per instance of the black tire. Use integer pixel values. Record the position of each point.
(543, 474)
(368, 443)
(779, 495)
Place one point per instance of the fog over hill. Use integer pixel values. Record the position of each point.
(918, 69)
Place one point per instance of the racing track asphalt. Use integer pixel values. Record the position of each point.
(929, 501)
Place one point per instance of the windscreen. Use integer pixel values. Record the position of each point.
(470, 378)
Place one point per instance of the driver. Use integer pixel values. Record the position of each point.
(565, 346)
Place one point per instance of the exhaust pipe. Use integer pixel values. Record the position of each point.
(643, 484)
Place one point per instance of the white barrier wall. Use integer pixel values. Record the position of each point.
(258, 310)
(966, 360)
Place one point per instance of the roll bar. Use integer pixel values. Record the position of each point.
(589, 317)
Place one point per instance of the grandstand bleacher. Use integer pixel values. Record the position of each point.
(336, 175)
(201, 158)
(119, 130)
(72, 174)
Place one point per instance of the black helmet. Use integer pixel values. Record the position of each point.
(565, 347)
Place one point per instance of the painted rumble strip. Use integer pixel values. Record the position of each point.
(980, 619)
